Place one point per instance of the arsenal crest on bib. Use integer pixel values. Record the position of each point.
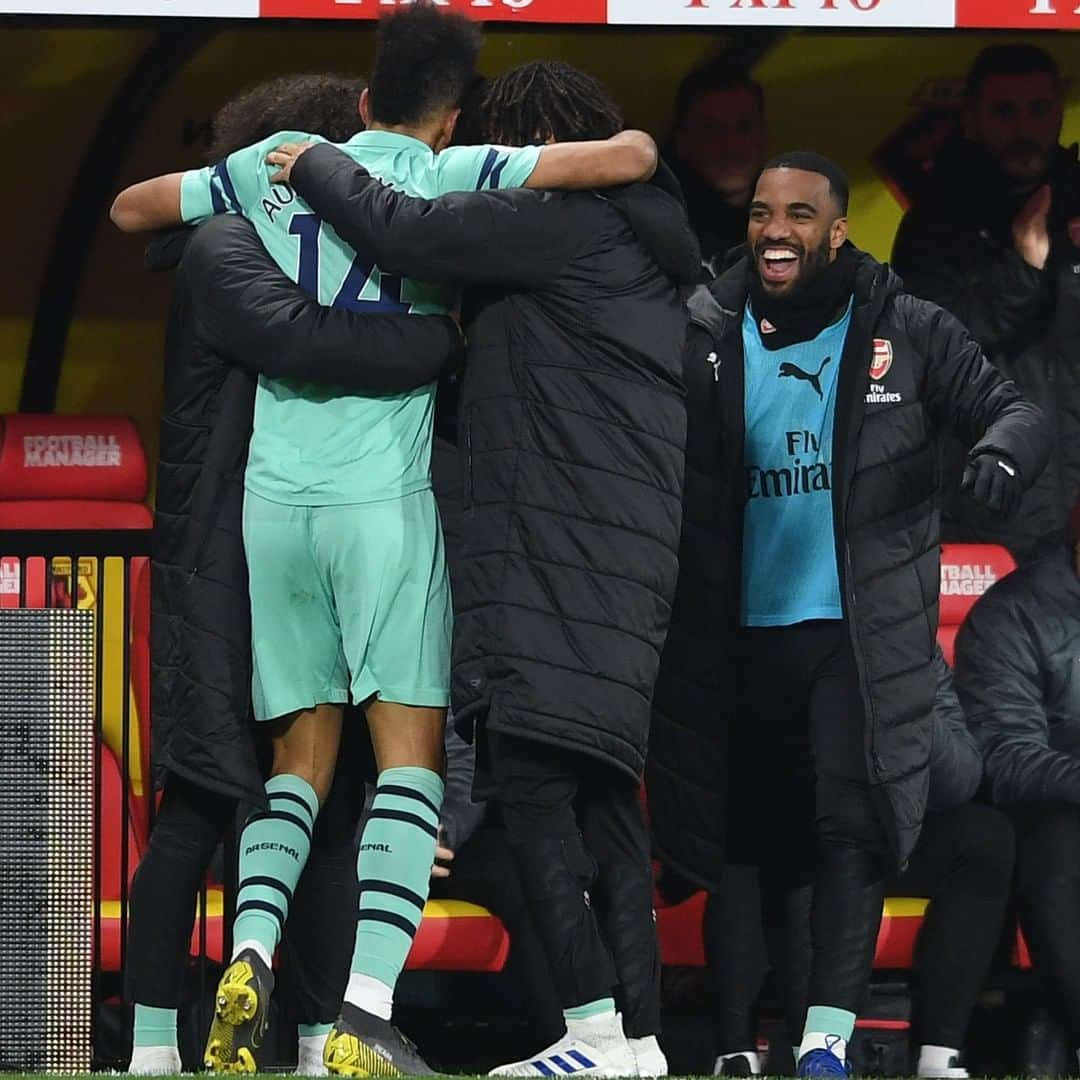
(882, 359)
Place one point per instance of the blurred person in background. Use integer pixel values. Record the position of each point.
(996, 242)
(716, 150)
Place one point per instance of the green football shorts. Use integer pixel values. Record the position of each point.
(347, 600)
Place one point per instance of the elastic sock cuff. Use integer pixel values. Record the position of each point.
(590, 1009)
(827, 1020)
(291, 784)
(427, 783)
(312, 1031)
(154, 1026)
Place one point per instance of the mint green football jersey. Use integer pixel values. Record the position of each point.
(315, 446)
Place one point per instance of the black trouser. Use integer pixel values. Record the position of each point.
(579, 840)
(802, 806)
(737, 953)
(964, 863)
(188, 828)
(1048, 897)
(483, 872)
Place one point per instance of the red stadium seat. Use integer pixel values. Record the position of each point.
(76, 462)
(679, 928)
(901, 921)
(967, 571)
(457, 936)
(682, 945)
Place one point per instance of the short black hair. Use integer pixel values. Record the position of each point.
(809, 161)
(714, 76)
(324, 104)
(1008, 60)
(424, 62)
(548, 99)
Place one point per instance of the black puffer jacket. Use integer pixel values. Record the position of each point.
(955, 247)
(884, 486)
(956, 768)
(235, 315)
(573, 426)
(1018, 675)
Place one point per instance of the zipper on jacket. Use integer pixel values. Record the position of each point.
(858, 652)
(214, 511)
(875, 758)
(468, 462)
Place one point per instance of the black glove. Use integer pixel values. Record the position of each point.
(994, 482)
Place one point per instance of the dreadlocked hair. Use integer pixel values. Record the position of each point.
(549, 100)
(326, 105)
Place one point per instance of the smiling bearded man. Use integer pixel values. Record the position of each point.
(808, 584)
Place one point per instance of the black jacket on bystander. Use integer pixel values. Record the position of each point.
(909, 371)
(236, 316)
(1018, 676)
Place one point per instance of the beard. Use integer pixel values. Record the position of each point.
(1024, 163)
(813, 262)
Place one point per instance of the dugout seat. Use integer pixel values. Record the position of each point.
(967, 571)
(458, 936)
(682, 943)
(71, 472)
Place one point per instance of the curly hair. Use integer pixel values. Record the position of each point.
(425, 61)
(546, 100)
(326, 105)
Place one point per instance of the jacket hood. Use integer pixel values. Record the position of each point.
(658, 218)
(166, 248)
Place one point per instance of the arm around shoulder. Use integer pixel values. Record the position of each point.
(260, 320)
